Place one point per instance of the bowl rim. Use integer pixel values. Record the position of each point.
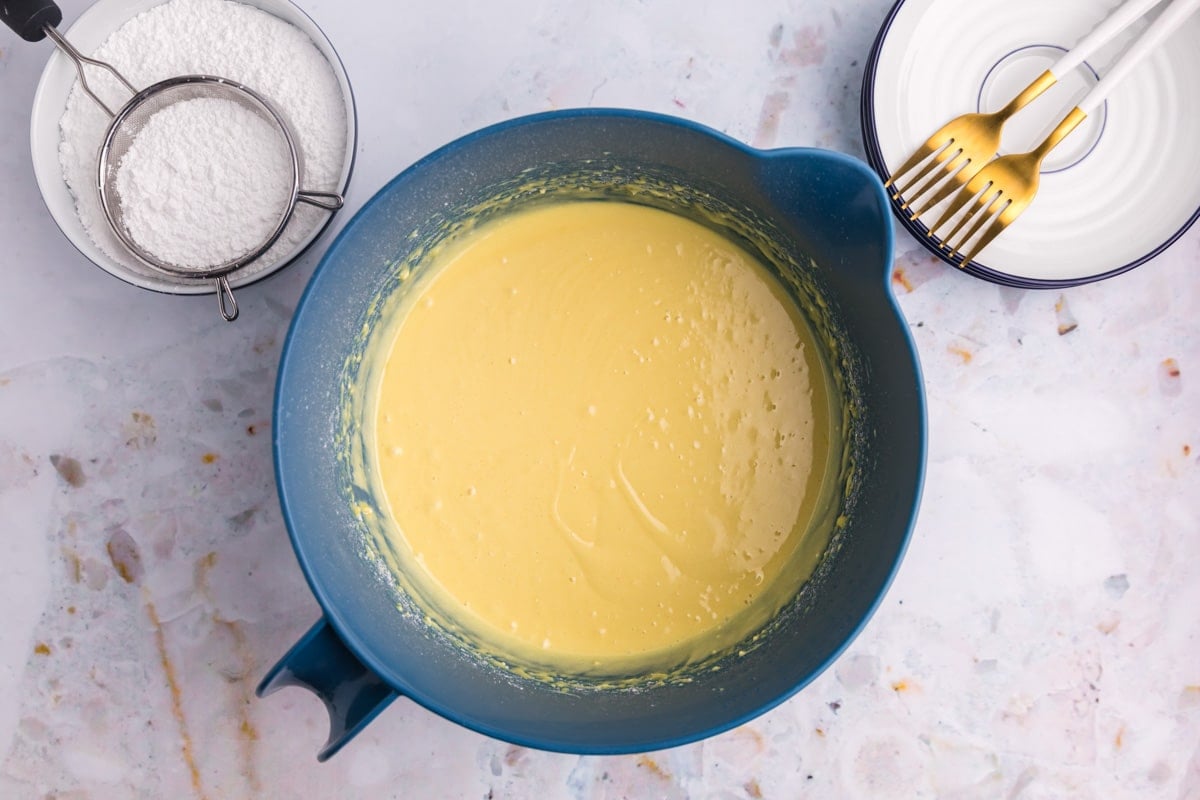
(920, 232)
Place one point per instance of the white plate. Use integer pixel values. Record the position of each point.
(92, 28)
(1118, 191)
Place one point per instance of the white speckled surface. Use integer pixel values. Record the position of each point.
(1042, 639)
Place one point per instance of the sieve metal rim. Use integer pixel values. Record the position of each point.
(102, 165)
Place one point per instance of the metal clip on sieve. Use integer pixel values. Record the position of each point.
(34, 20)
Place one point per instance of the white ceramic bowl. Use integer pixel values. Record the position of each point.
(1118, 191)
(87, 33)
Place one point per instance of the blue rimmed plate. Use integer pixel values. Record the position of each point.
(1117, 192)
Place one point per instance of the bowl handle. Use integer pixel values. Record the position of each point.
(321, 663)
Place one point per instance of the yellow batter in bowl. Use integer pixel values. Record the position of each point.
(602, 433)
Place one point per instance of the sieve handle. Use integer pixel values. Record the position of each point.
(225, 300)
(29, 18)
(330, 201)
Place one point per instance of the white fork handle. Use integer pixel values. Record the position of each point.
(1114, 23)
(1173, 16)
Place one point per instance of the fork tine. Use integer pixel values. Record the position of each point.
(928, 181)
(979, 213)
(965, 196)
(978, 217)
(916, 183)
(935, 144)
(999, 223)
(955, 180)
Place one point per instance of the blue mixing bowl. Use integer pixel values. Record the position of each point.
(819, 218)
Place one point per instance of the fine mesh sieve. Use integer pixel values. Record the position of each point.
(36, 19)
(129, 122)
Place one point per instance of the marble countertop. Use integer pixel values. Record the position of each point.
(1042, 638)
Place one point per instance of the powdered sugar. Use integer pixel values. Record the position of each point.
(204, 182)
(215, 37)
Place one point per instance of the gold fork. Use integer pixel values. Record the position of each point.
(959, 150)
(1003, 189)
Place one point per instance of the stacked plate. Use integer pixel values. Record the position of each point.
(1118, 191)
